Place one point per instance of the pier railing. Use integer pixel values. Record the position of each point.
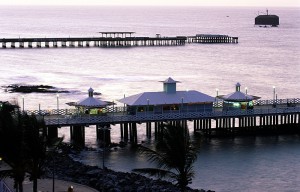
(4, 187)
(121, 110)
(119, 118)
(287, 102)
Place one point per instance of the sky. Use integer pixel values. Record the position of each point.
(258, 3)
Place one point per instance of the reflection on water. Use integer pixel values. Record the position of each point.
(268, 163)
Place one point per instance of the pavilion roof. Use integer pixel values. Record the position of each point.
(238, 96)
(170, 80)
(91, 102)
(163, 98)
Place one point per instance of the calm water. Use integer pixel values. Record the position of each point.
(264, 57)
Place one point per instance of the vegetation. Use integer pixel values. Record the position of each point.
(22, 145)
(174, 156)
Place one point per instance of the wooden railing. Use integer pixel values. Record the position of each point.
(119, 118)
(277, 101)
(287, 102)
(123, 110)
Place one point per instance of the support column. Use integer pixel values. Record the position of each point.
(47, 44)
(72, 133)
(72, 44)
(122, 131)
(63, 44)
(125, 132)
(78, 135)
(21, 44)
(55, 44)
(133, 133)
(148, 130)
(156, 129)
(52, 132)
(103, 132)
(30, 44)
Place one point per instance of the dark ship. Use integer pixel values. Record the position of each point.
(267, 20)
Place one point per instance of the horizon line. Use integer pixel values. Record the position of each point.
(99, 5)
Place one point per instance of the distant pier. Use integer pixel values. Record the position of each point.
(113, 39)
(207, 38)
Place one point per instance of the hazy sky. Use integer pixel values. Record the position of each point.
(264, 3)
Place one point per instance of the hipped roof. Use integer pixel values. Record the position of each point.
(238, 96)
(91, 102)
(163, 98)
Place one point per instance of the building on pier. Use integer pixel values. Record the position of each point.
(238, 99)
(168, 101)
(116, 34)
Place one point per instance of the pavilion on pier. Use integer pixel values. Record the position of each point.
(168, 101)
(238, 99)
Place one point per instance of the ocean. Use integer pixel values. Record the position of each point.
(263, 58)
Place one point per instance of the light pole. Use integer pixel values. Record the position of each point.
(53, 175)
(124, 106)
(246, 89)
(274, 92)
(104, 129)
(217, 94)
(113, 109)
(57, 103)
(23, 103)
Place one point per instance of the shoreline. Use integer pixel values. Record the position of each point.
(103, 180)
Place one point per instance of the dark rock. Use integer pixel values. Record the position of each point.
(33, 89)
(104, 180)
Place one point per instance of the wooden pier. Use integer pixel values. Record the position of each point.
(207, 38)
(113, 39)
(265, 118)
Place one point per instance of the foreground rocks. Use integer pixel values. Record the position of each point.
(103, 180)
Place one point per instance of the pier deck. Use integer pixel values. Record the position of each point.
(114, 40)
(267, 117)
(120, 117)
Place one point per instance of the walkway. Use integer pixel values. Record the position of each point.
(45, 185)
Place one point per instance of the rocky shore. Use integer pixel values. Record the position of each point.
(103, 180)
(16, 88)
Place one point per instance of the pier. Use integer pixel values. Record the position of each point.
(233, 114)
(113, 39)
(265, 118)
(208, 38)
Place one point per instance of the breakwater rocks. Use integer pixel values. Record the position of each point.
(15, 88)
(103, 180)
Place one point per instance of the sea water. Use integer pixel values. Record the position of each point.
(263, 58)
